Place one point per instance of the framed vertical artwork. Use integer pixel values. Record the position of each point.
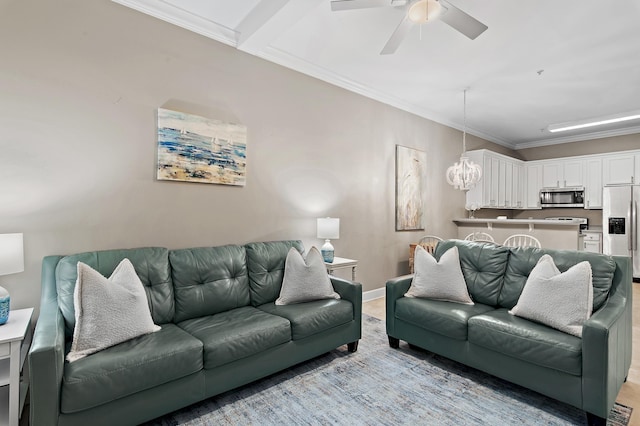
(198, 149)
(410, 183)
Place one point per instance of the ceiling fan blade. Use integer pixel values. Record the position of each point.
(398, 35)
(358, 4)
(461, 21)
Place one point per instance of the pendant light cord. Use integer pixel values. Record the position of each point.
(464, 123)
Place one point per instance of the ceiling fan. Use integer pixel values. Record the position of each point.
(418, 12)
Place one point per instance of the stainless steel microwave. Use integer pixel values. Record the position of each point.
(562, 197)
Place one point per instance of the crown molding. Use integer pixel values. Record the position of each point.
(183, 18)
(578, 138)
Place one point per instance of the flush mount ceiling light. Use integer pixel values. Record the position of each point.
(581, 124)
(464, 174)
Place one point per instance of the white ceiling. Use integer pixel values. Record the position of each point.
(540, 62)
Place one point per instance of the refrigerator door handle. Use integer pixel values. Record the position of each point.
(630, 226)
(634, 226)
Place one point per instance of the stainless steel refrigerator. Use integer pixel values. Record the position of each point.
(620, 227)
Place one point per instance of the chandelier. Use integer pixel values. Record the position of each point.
(464, 174)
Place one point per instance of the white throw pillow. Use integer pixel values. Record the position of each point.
(108, 311)
(563, 301)
(439, 280)
(305, 281)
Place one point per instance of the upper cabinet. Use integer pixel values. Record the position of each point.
(533, 185)
(508, 183)
(501, 185)
(562, 173)
(620, 169)
(593, 183)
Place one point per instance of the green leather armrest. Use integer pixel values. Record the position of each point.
(606, 344)
(351, 291)
(46, 356)
(395, 289)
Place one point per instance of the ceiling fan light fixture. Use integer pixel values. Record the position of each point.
(424, 11)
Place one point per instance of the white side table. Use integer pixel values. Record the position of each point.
(15, 340)
(341, 262)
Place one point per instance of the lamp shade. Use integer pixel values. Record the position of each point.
(11, 254)
(329, 228)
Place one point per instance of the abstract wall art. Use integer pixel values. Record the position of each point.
(410, 184)
(198, 149)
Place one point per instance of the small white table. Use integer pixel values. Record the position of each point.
(341, 262)
(15, 340)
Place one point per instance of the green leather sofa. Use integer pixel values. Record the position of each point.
(584, 372)
(220, 329)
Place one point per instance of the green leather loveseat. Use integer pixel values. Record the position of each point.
(584, 372)
(220, 329)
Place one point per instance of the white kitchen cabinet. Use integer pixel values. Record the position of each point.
(551, 174)
(619, 169)
(498, 188)
(533, 185)
(518, 186)
(562, 173)
(508, 184)
(593, 183)
(492, 165)
(592, 242)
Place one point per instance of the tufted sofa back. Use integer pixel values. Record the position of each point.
(187, 283)
(265, 262)
(209, 280)
(523, 259)
(151, 265)
(495, 275)
(483, 267)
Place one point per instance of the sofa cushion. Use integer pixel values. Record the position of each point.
(446, 318)
(560, 300)
(132, 366)
(523, 259)
(528, 341)
(483, 267)
(305, 279)
(265, 264)
(151, 265)
(313, 317)
(441, 280)
(209, 280)
(108, 310)
(236, 334)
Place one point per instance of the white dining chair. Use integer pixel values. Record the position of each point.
(480, 237)
(429, 242)
(522, 240)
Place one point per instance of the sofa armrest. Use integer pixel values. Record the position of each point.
(46, 355)
(395, 289)
(351, 291)
(606, 345)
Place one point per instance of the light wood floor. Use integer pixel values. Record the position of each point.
(629, 394)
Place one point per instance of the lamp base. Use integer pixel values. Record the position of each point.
(4, 305)
(327, 251)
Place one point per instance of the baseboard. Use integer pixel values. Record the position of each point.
(373, 294)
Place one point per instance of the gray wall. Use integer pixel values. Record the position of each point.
(81, 82)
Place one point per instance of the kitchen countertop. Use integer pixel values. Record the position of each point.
(517, 222)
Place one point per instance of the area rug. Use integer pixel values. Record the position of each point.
(378, 385)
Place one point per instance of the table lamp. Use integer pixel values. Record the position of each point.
(328, 229)
(11, 261)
